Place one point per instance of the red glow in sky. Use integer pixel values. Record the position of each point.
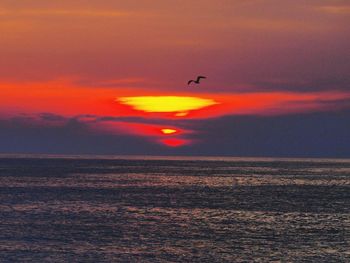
(260, 58)
(174, 142)
(69, 100)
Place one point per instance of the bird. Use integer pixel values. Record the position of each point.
(196, 81)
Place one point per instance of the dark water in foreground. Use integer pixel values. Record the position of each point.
(174, 210)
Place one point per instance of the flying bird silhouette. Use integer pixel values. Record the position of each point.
(196, 81)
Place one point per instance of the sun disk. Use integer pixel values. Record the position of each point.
(167, 104)
(168, 131)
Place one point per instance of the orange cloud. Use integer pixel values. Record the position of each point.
(64, 12)
(336, 9)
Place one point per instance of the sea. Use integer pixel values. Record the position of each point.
(173, 209)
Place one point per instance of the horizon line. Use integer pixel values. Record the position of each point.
(167, 157)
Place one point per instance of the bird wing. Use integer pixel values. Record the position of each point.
(201, 77)
(190, 81)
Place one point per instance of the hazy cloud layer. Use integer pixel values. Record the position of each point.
(282, 45)
(317, 135)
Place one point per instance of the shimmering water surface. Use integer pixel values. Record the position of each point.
(173, 210)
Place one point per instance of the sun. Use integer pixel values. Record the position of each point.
(180, 105)
(168, 131)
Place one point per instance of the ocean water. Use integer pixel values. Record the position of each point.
(163, 209)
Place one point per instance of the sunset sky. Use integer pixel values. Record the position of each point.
(110, 77)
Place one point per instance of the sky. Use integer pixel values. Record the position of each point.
(110, 77)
